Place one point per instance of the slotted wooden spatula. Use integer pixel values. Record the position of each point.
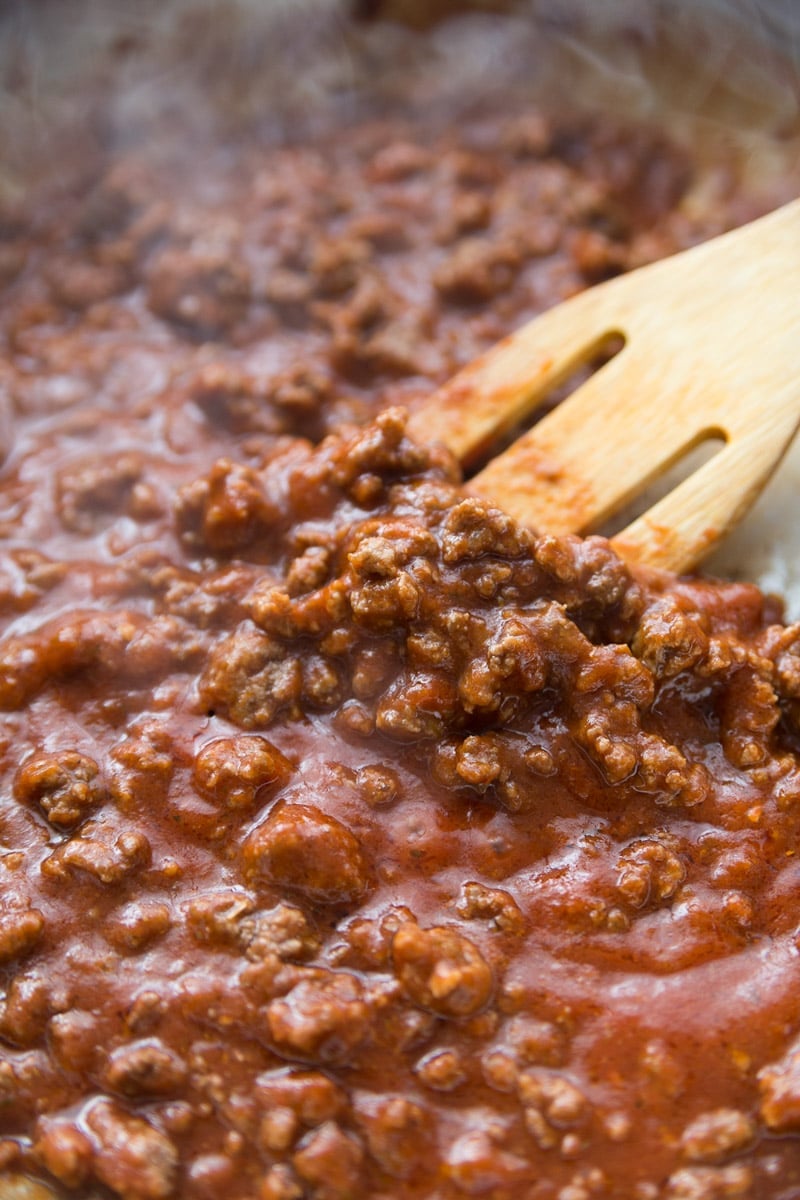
(711, 350)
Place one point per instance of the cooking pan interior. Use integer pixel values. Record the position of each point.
(84, 79)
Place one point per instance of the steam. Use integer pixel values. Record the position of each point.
(95, 72)
(174, 77)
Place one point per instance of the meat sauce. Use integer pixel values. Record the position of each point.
(355, 840)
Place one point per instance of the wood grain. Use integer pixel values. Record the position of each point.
(712, 349)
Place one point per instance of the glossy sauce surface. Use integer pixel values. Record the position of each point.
(354, 840)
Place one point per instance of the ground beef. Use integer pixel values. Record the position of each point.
(355, 840)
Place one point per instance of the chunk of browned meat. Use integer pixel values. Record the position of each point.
(441, 970)
(301, 848)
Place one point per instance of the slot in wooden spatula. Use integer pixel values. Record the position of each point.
(711, 350)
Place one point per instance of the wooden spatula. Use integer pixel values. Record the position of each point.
(711, 350)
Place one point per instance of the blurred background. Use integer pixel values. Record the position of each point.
(96, 69)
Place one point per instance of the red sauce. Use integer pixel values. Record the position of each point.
(355, 841)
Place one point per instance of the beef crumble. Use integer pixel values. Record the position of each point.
(355, 840)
